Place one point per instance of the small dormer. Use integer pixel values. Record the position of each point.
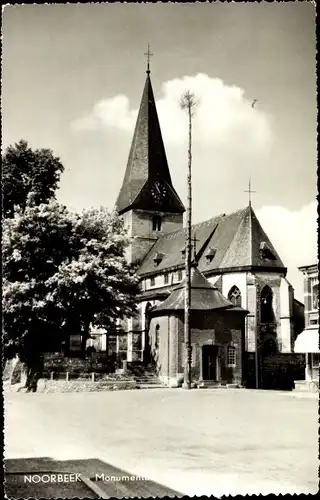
(210, 254)
(158, 258)
(266, 252)
(183, 252)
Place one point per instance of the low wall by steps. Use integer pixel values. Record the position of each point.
(97, 362)
(303, 386)
(55, 386)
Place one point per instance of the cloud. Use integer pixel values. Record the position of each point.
(223, 114)
(113, 112)
(231, 140)
(294, 235)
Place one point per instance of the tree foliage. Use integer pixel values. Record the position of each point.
(62, 272)
(25, 170)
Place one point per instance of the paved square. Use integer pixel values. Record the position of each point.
(195, 442)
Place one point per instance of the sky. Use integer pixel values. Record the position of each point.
(73, 76)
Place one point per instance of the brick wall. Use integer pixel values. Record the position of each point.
(220, 328)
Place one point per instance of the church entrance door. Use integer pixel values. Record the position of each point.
(209, 362)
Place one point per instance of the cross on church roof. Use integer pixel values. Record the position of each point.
(194, 244)
(249, 190)
(148, 54)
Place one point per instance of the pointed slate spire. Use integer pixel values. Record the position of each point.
(147, 174)
(250, 246)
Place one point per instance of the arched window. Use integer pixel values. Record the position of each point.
(234, 296)
(157, 336)
(231, 355)
(266, 310)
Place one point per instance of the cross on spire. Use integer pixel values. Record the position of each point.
(194, 244)
(148, 54)
(250, 191)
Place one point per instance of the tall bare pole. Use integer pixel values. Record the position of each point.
(188, 103)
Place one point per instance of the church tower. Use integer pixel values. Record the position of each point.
(147, 200)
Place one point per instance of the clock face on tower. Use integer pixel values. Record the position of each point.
(158, 192)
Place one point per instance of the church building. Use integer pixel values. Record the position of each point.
(242, 304)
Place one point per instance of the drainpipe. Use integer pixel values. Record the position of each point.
(256, 363)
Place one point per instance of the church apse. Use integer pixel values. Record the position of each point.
(216, 326)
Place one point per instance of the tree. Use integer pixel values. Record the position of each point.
(61, 272)
(25, 170)
(188, 103)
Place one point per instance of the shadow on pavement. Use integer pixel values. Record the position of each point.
(45, 477)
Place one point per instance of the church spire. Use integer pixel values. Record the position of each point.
(147, 182)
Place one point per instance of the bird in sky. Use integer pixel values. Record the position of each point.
(254, 101)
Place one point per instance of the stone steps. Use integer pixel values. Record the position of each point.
(144, 375)
(147, 380)
(212, 384)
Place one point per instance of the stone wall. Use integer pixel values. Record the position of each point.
(139, 226)
(52, 386)
(159, 336)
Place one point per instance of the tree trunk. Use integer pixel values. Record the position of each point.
(34, 371)
(85, 337)
(33, 376)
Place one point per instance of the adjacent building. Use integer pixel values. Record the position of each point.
(308, 341)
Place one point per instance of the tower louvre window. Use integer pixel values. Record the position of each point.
(156, 223)
(179, 275)
(152, 281)
(166, 278)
